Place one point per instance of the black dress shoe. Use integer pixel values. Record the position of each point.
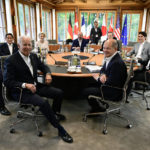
(5, 111)
(66, 137)
(60, 117)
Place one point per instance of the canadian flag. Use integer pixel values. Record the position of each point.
(76, 27)
(104, 29)
(111, 25)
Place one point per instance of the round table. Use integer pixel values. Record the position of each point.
(61, 70)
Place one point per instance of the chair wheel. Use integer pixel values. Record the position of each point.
(148, 108)
(12, 130)
(19, 116)
(127, 101)
(105, 131)
(129, 126)
(40, 134)
(84, 119)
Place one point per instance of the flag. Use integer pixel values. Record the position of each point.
(124, 32)
(111, 25)
(76, 27)
(70, 33)
(104, 29)
(83, 27)
(117, 30)
(89, 27)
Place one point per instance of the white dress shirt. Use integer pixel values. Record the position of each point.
(108, 59)
(10, 46)
(27, 60)
(140, 50)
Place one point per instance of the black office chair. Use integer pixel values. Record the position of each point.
(27, 111)
(114, 106)
(144, 85)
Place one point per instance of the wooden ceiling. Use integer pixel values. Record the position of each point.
(57, 3)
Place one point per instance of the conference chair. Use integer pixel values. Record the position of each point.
(114, 106)
(144, 85)
(25, 111)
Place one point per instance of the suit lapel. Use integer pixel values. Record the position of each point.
(33, 65)
(21, 61)
(7, 50)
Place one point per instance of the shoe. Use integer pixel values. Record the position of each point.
(60, 117)
(5, 111)
(66, 137)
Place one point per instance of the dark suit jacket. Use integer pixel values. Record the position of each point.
(16, 72)
(114, 39)
(76, 44)
(4, 50)
(93, 34)
(116, 73)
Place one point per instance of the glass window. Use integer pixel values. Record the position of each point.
(99, 16)
(27, 20)
(21, 19)
(2, 22)
(62, 24)
(133, 21)
(33, 29)
(46, 23)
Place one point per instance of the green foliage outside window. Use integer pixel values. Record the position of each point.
(62, 24)
(132, 26)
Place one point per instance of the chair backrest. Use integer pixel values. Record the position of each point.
(131, 43)
(5, 91)
(120, 44)
(52, 41)
(2, 60)
(129, 76)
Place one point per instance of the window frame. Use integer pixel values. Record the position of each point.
(66, 24)
(49, 11)
(5, 22)
(29, 4)
(140, 12)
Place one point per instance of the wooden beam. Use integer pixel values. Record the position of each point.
(97, 1)
(85, 1)
(110, 1)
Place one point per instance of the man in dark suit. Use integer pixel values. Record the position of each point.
(113, 73)
(95, 34)
(7, 48)
(110, 35)
(79, 43)
(20, 70)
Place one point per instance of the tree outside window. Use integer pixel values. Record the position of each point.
(62, 24)
(133, 21)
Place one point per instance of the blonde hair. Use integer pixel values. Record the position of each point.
(41, 33)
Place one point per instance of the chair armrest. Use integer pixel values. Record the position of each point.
(108, 87)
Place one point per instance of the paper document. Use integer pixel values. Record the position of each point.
(93, 69)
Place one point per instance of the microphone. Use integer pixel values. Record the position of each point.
(90, 63)
(58, 62)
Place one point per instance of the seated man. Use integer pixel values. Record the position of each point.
(80, 43)
(113, 73)
(20, 70)
(141, 51)
(110, 35)
(7, 48)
